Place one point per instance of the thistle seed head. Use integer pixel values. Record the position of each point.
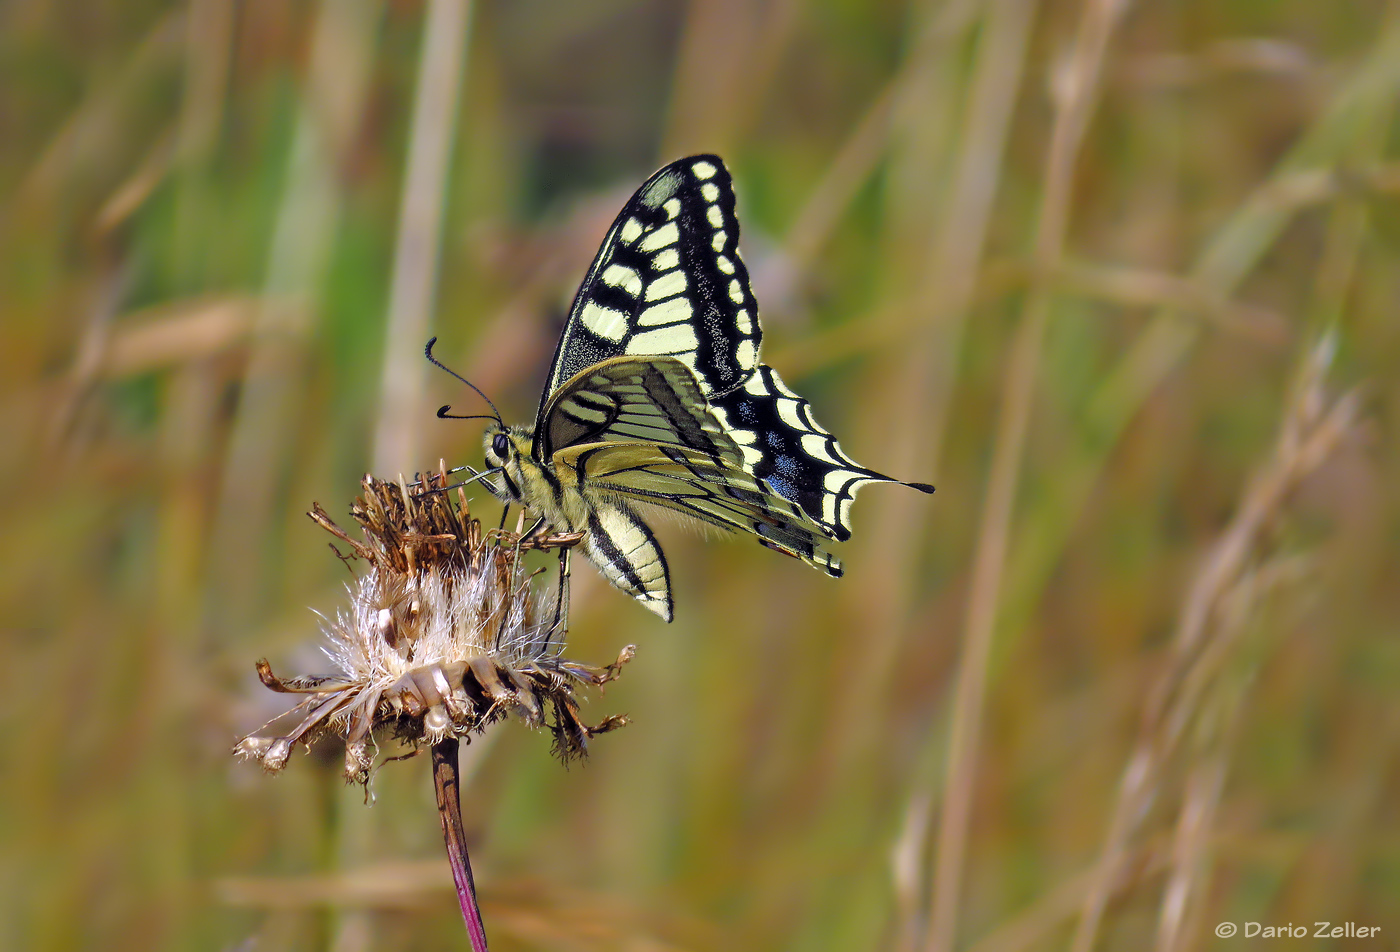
(443, 636)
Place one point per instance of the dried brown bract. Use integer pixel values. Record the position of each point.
(443, 636)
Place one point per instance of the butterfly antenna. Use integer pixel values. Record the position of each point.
(442, 411)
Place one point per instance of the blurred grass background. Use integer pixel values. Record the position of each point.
(1131, 672)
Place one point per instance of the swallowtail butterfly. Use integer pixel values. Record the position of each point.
(656, 398)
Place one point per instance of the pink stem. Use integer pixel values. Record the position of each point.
(449, 800)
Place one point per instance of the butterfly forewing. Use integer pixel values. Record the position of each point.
(629, 399)
(667, 281)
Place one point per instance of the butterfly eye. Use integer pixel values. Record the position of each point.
(500, 445)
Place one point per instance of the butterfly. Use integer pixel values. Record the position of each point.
(656, 400)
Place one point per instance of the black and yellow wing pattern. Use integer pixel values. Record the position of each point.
(657, 398)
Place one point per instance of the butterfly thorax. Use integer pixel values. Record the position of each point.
(616, 539)
(521, 479)
(525, 481)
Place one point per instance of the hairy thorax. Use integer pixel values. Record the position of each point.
(525, 481)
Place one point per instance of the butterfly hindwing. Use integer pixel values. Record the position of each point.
(708, 489)
(667, 281)
(641, 428)
(784, 445)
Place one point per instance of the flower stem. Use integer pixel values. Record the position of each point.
(449, 800)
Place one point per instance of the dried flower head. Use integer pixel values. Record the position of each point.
(443, 636)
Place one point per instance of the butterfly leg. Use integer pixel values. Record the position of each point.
(561, 604)
(425, 483)
(533, 530)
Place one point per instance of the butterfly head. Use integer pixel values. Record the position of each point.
(508, 450)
